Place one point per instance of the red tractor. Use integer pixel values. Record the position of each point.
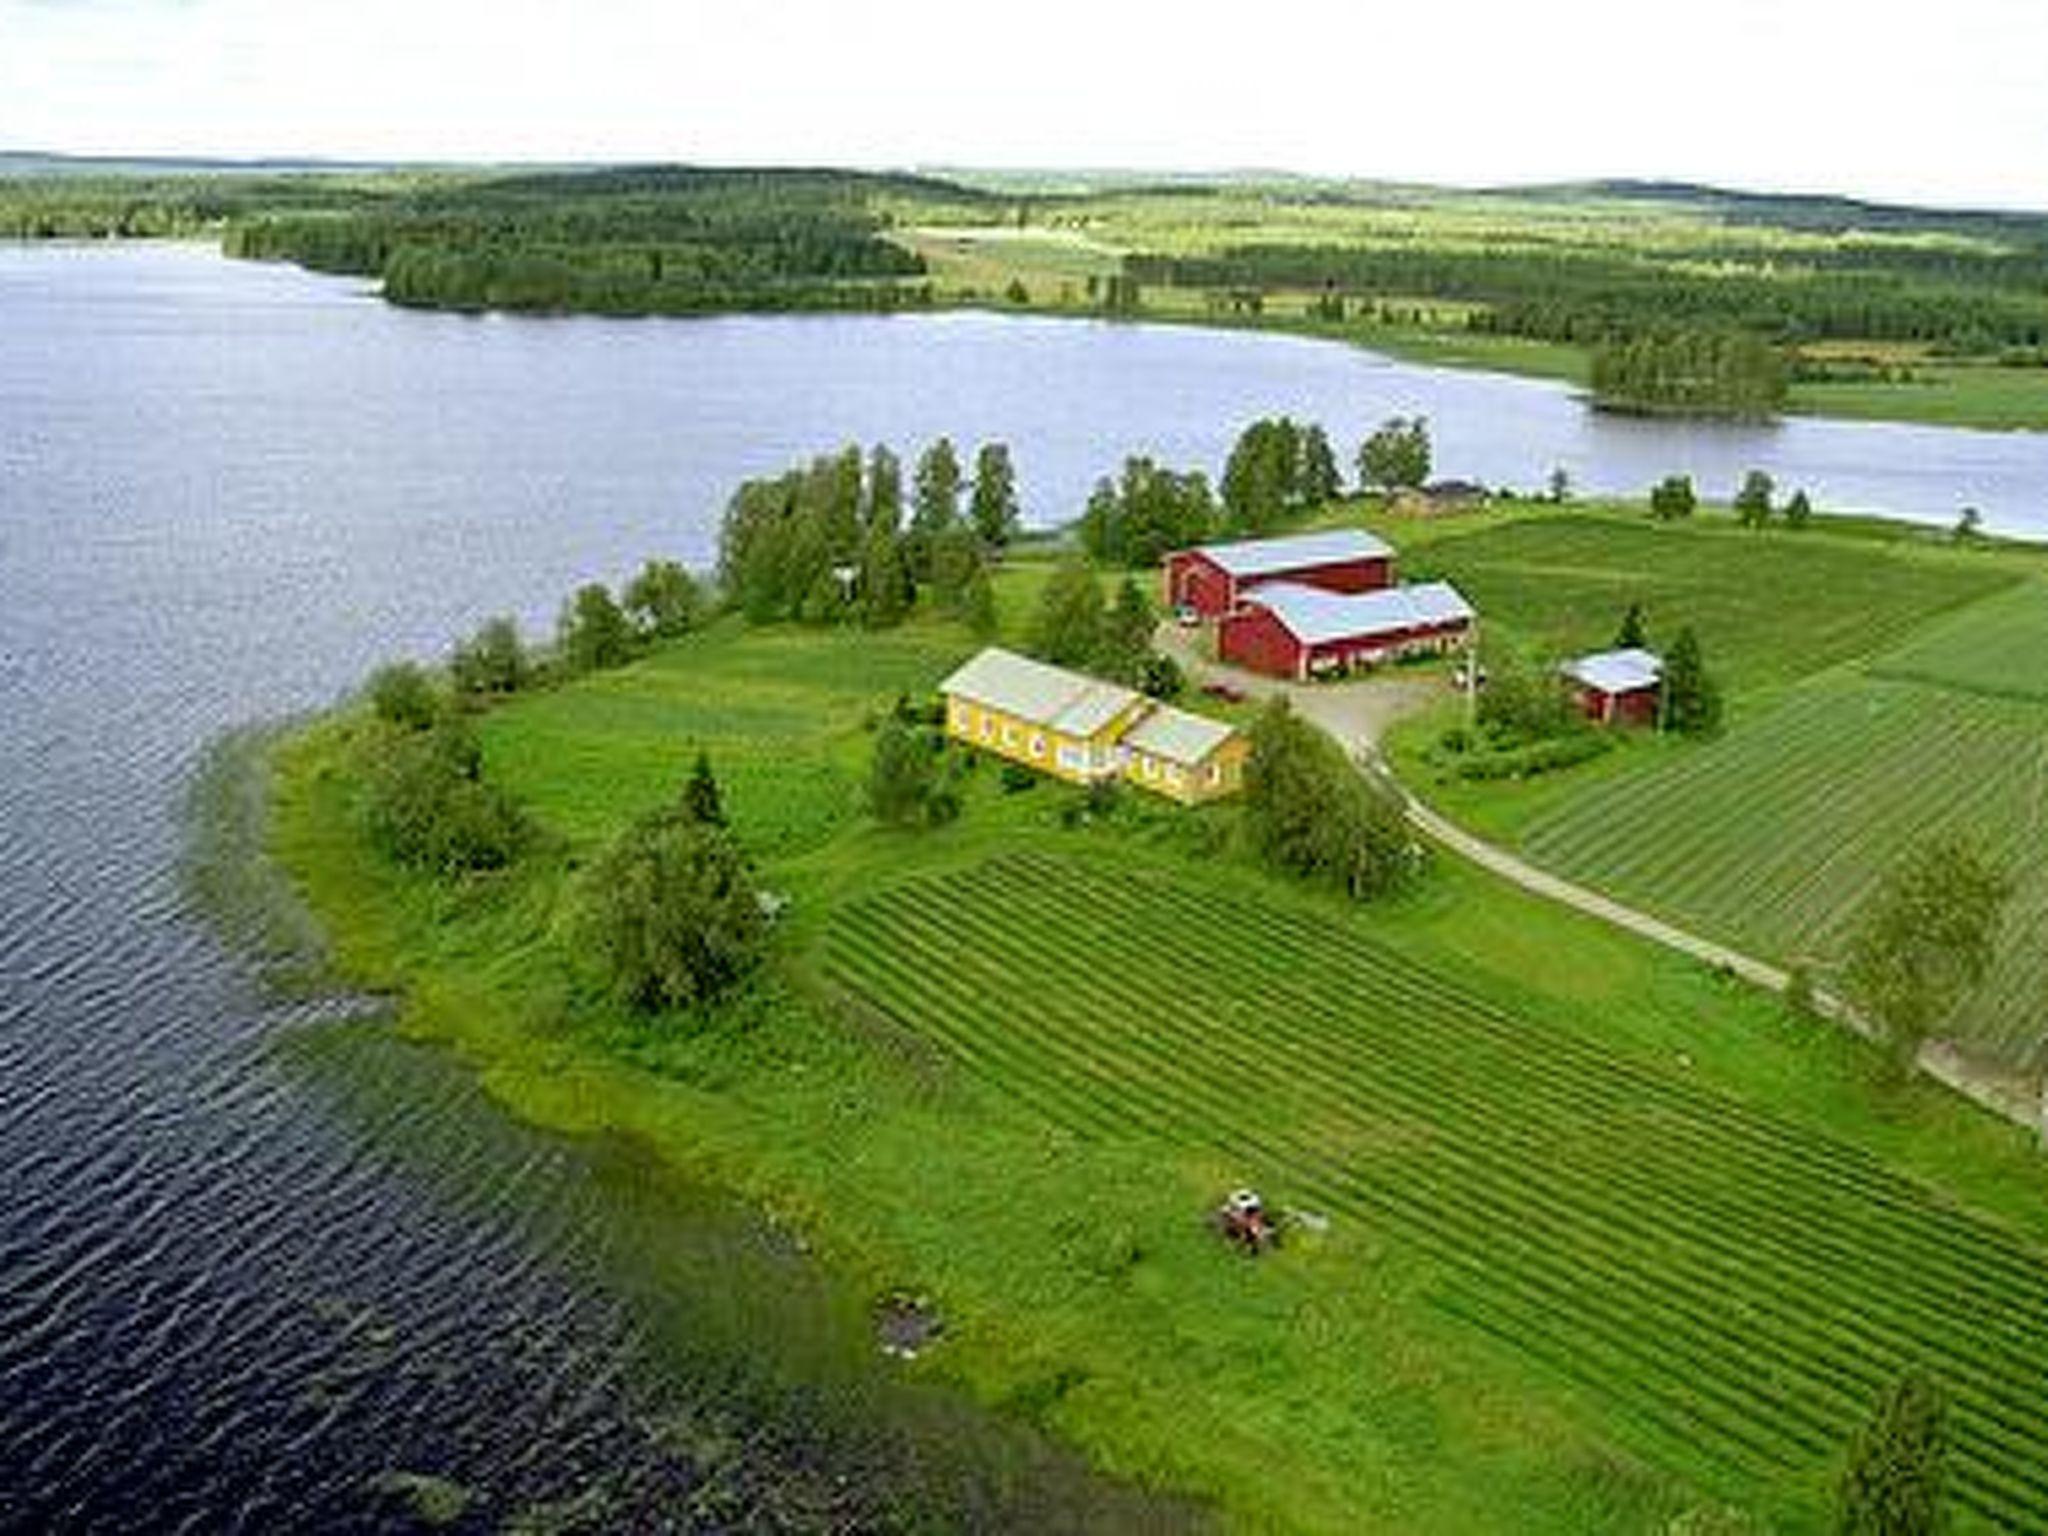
(1244, 1220)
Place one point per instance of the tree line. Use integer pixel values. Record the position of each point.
(834, 541)
(1587, 296)
(1278, 471)
(650, 241)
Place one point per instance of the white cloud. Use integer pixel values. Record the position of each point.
(1946, 106)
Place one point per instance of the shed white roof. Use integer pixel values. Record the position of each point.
(1315, 617)
(1617, 671)
(1068, 702)
(1296, 552)
(1177, 735)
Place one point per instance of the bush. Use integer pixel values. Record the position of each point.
(404, 697)
(1534, 757)
(912, 781)
(1525, 703)
(429, 806)
(1161, 677)
(1016, 778)
(493, 660)
(673, 914)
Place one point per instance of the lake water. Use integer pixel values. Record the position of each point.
(253, 1260)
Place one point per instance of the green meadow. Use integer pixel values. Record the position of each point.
(1592, 1239)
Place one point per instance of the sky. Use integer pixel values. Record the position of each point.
(1940, 104)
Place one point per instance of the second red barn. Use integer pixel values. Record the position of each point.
(1210, 580)
(1288, 630)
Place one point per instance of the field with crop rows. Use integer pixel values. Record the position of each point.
(1768, 607)
(1730, 1286)
(1772, 836)
(1998, 646)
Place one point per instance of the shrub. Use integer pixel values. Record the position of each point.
(1161, 677)
(1534, 757)
(913, 779)
(493, 660)
(429, 806)
(404, 697)
(1016, 778)
(672, 913)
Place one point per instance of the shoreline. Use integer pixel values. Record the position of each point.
(1464, 352)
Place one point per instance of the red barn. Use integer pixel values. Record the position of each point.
(1289, 630)
(1212, 579)
(1617, 685)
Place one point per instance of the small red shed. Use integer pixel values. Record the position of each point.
(1212, 579)
(1617, 685)
(1286, 629)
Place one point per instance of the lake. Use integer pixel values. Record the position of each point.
(264, 1268)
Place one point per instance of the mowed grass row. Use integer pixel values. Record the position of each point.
(1769, 607)
(1736, 1285)
(1998, 646)
(1773, 836)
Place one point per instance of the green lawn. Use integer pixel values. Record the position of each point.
(1010, 1062)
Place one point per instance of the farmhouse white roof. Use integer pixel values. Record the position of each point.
(1315, 617)
(1059, 700)
(1296, 552)
(1177, 735)
(1617, 671)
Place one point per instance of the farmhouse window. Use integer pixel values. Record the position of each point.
(1038, 746)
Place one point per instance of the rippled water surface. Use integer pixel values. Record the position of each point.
(260, 1269)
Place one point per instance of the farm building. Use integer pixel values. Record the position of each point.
(1617, 685)
(1286, 629)
(1211, 579)
(1084, 730)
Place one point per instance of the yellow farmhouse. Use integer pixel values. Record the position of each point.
(1084, 730)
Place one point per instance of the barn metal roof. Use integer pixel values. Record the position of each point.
(1316, 617)
(1178, 735)
(1068, 702)
(1617, 671)
(1296, 552)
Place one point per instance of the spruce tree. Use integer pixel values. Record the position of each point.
(701, 799)
(1632, 635)
(1692, 700)
(884, 498)
(993, 504)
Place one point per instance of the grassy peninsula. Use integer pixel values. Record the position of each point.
(1588, 1238)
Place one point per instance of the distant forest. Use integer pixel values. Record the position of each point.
(624, 242)
(1683, 298)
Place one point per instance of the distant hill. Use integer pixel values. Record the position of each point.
(1820, 212)
(37, 163)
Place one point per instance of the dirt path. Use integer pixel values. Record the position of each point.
(1356, 714)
